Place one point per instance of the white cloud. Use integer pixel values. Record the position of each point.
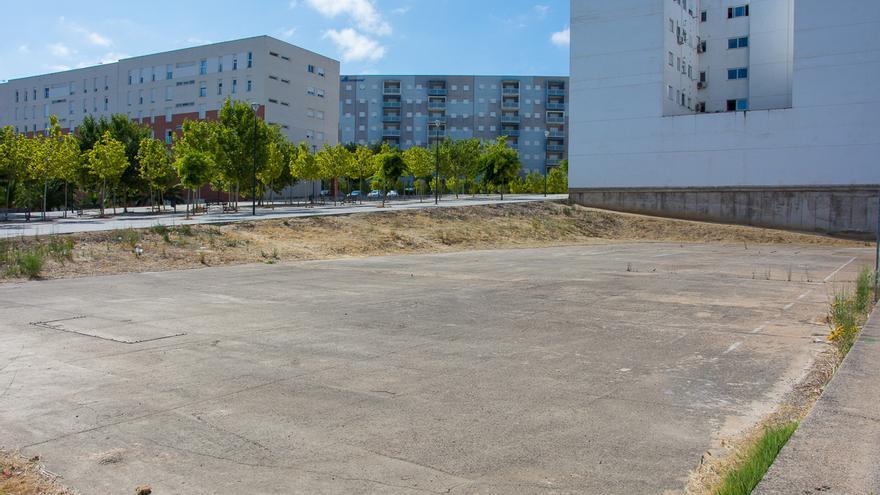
(541, 10)
(286, 34)
(401, 10)
(355, 46)
(97, 39)
(561, 38)
(59, 68)
(362, 12)
(60, 50)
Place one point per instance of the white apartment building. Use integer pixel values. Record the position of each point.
(296, 89)
(762, 112)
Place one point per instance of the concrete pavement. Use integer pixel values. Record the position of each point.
(141, 218)
(591, 369)
(836, 450)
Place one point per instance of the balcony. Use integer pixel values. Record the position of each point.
(555, 92)
(437, 92)
(510, 91)
(555, 106)
(513, 145)
(391, 90)
(510, 105)
(391, 132)
(433, 133)
(557, 134)
(436, 105)
(555, 119)
(509, 132)
(559, 148)
(391, 104)
(552, 162)
(510, 119)
(391, 118)
(432, 119)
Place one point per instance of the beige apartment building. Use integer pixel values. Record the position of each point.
(296, 89)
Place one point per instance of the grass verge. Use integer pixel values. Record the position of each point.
(754, 465)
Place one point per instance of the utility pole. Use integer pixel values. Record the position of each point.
(255, 106)
(877, 253)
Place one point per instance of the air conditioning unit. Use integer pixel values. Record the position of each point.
(702, 85)
(701, 48)
(701, 107)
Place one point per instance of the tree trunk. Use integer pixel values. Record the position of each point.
(45, 192)
(103, 195)
(125, 199)
(9, 185)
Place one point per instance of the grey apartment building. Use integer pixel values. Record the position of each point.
(408, 111)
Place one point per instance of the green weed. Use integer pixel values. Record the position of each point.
(750, 472)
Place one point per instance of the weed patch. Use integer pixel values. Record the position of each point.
(756, 462)
(849, 310)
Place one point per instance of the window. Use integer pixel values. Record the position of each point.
(219, 64)
(671, 26)
(168, 115)
(250, 60)
(320, 71)
(220, 87)
(202, 111)
(704, 16)
(669, 92)
(734, 43)
(250, 85)
(742, 11)
(169, 72)
(169, 134)
(234, 62)
(702, 76)
(311, 69)
(140, 97)
(106, 103)
(310, 90)
(16, 96)
(740, 105)
(234, 86)
(169, 93)
(152, 95)
(671, 59)
(740, 73)
(46, 93)
(203, 89)
(203, 66)
(128, 98)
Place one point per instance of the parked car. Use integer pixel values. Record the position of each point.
(375, 194)
(354, 196)
(392, 194)
(325, 192)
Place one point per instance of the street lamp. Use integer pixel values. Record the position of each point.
(546, 144)
(255, 106)
(437, 163)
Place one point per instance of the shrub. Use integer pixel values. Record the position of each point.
(30, 263)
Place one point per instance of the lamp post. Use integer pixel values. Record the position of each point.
(877, 254)
(546, 144)
(437, 163)
(255, 106)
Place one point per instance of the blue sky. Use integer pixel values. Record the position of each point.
(368, 36)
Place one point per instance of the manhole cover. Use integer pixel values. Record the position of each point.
(124, 332)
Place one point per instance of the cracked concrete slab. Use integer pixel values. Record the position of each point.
(585, 369)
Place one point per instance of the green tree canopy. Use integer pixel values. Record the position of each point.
(500, 164)
(107, 161)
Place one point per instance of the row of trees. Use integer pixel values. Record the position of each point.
(116, 159)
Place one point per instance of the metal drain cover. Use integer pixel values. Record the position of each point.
(123, 332)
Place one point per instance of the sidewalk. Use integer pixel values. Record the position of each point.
(836, 450)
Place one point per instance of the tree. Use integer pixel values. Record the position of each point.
(304, 165)
(500, 164)
(13, 159)
(420, 164)
(391, 168)
(198, 136)
(67, 162)
(194, 167)
(236, 139)
(274, 165)
(155, 165)
(334, 162)
(466, 161)
(362, 165)
(108, 161)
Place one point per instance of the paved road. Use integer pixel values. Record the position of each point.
(142, 218)
(593, 369)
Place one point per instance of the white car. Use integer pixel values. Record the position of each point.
(392, 194)
(375, 194)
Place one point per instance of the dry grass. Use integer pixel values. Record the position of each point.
(20, 476)
(376, 234)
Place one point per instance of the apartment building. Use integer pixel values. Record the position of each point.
(750, 111)
(296, 89)
(728, 55)
(412, 110)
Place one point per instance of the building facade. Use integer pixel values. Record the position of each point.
(761, 112)
(296, 89)
(408, 111)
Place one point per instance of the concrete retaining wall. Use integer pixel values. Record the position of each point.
(849, 210)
